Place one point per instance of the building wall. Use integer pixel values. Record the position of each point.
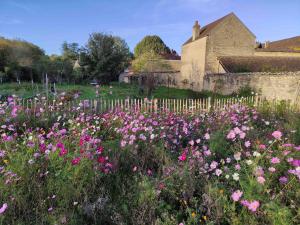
(193, 64)
(230, 38)
(284, 85)
(284, 54)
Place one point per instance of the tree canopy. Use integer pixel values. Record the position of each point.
(152, 44)
(105, 57)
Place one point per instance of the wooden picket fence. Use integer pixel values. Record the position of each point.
(155, 105)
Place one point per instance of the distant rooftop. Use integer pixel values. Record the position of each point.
(239, 64)
(285, 45)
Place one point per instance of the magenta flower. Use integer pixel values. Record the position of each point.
(76, 161)
(296, 162)
(236, 195)
(3, 208)
(182, 157)
(277, 134)
(63, 152)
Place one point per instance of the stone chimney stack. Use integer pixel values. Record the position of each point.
(267, 44)
(196, 31)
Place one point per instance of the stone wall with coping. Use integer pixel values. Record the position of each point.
(282, 85)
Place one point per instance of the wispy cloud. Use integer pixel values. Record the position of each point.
(10, 21)
(197, 5)
(21, 5)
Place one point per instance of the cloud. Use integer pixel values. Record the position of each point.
(197, 5)
(10, 21)
(22, 6)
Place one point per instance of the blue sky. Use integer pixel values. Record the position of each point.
(48, 23)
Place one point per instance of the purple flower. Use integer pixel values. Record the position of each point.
(283, 180)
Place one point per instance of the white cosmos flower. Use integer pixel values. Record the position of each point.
(236, 176)
(249, 162)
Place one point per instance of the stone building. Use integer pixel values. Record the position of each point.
(224, 56)
(227, 36)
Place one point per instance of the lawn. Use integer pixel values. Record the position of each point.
(113, 91)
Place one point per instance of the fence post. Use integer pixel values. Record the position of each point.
(209, 104)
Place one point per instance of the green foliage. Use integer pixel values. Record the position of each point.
(105, 56)
(151, 44)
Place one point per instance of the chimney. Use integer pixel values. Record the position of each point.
(267, 44)
(196, 31)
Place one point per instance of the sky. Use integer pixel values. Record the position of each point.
(48, 23)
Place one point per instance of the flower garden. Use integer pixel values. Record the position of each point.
(237, 166)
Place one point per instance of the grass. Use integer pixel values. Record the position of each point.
(113, 91)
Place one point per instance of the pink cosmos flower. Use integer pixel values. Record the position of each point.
(76, 161)
(275, 160)
(263, 147)
(63, 152)
(277, 134)
(236, 195)
(218, 172)
(253, 206)
(237, 167)
(207, 136)
(191, 142)
(247, 144)
(231, 135)
(182, 157)
(3, 208)
(272, 169)
(242, 135)
(296, 162)
(261, 180)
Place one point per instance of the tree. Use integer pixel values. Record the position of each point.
(70, 51)
(105, 56)
(152, 44)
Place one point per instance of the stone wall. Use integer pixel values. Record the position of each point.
(230, 38)
(193, 64)
(283, 85)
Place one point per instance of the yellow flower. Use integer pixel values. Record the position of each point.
(221, 191)
(204, 217)
(5, 161)
(193, 214)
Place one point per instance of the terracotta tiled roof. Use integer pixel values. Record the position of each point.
(239, 64)
(285, 45)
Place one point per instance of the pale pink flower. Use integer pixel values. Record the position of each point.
(272, 169)
(253, 206)
(218, 172)
(247, 144)
(3, 208)
(236, 195)
(277, 134)
(261, 180)
(231, 135)
(207, 136)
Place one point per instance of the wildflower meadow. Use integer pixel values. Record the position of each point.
(235, 166)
